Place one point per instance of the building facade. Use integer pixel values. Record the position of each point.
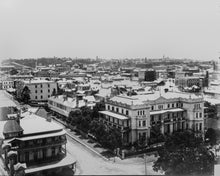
(138, 114)
(39, 148)
(40, 90)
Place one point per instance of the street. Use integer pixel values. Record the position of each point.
(91, 164)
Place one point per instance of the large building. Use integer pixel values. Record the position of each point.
(36, 144)
(189, 81)
(135, 115)
(40, 90)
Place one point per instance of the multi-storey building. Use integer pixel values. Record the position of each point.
(62, 105)
(189, 81)
(36, 143)
(40, 90)
(135, 115)
(7, 84)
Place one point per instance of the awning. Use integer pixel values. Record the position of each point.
(66, 161)
(117, 116)
(166, 111)
(60, 133)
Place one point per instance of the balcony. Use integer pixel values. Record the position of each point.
(42, 145)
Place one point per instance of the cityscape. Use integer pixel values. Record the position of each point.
(114, 88)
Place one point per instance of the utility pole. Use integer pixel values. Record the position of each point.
(145, 166)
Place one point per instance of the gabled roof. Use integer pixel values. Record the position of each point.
(41, 112)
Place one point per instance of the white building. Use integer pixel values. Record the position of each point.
(62, 105)
(135, 115)
(7, 84)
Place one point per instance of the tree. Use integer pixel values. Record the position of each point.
(74, 118)
(25, 95)
(98, 107)
(184, 154)
(210, 136)
(156, 135)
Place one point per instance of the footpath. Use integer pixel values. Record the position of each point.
(98, 150)
(86, 142)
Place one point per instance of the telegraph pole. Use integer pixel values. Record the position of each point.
(145, 166)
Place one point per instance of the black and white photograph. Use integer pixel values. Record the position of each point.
(109, 87)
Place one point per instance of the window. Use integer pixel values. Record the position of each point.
(144, 123)
(48, 90)
(41, 91)
(143, 112)
(116, 109)
(196, 115)
(41, 97)
(152, 108)
(138, 112)
(160, 106)
(108, 107)
(48, 96)
(36, 97)
(139, 123)
(39, 154)
(48, 85)
(41, 85)
(35, 86)
(160, 117)
(197, 127)
(126, 112)
(31, 155)
(35, 91)
(200, 126)
(113, 108)
(173, 105)
(152, 118)
(200, 115)
(122, 111)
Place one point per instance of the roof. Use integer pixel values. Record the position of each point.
(69, 102)
(167, 110)
(33, 123)
(89, 98)
(117, 116)
(129, 100)
(41, 112)
(60, 133)
(6, 99)
(11, 126)
(37, 81)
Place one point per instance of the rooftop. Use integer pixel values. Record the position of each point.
(117, 116)
(37, 81)
(5, 100)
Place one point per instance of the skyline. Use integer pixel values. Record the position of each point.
(110, 29)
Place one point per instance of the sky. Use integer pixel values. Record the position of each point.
(110, 28)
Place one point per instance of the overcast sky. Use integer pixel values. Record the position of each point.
(110, 28)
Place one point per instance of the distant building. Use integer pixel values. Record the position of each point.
(188, 81)
(135, 115)
(147, 75)
(7, 84)
(40, 90)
